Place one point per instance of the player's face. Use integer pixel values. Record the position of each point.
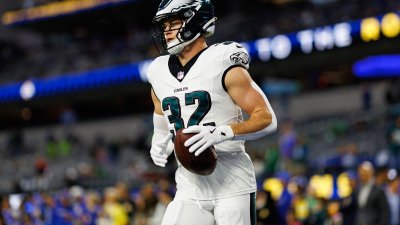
(171, 28)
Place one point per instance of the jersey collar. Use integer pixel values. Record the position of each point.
(176, 68)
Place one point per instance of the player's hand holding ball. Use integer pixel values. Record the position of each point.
(203, 164)
(160, 151)
(206, 136)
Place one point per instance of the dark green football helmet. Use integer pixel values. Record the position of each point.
(197, 17)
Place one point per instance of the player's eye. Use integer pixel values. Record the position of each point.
(175, 24)
(167, 26)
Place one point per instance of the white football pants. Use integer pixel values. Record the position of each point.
(238, 210)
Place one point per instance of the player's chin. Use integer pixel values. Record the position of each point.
(170, 40)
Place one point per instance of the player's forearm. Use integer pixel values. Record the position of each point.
(160, 125)
(160, 128)
(260, 123)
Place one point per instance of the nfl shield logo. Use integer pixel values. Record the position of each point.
(180, 75)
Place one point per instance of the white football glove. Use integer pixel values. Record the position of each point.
(207, 136)
(160, 151)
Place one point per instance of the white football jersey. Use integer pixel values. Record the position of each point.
(196, 95)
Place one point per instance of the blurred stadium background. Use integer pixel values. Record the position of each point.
(76, 114)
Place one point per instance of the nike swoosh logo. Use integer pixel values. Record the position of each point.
(212, 131)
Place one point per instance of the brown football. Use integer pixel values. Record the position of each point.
(204, 164)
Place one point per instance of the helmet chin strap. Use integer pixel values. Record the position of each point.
(177, 46)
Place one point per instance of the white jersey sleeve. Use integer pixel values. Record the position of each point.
(235, 55)
(154, 72)
(152, 69)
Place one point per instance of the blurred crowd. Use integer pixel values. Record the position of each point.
(112, 205)
(114, 182)
(374, 200)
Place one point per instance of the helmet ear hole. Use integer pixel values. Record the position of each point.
(187, 34)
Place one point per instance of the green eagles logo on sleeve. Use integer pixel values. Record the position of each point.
(241, 58)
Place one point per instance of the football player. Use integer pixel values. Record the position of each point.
(204, 89)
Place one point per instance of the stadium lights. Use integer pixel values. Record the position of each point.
(378, 66)
(306, 41)
(325, 38)
(69, 83)
(27, 90)
(372, 27)
(278, 47)
(54, 9)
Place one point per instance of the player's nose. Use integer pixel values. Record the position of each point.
(168, 35)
